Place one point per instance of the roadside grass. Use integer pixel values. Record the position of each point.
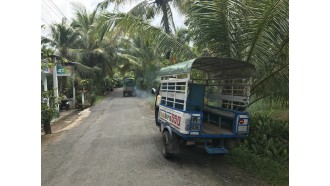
(265, 152)
(267, 169)
(274, 111)
(99, 99)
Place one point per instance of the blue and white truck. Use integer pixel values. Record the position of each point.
(203, 101)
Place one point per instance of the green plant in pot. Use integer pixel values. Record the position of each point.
(48, 110)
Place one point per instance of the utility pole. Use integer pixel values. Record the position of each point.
(44, 80)
(55, 84)
(73, 88)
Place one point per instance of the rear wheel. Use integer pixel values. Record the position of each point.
(166, 145)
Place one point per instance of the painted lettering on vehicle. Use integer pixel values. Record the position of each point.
(172, 118)
(175, 119)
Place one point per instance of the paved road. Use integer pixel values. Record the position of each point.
(119, 144)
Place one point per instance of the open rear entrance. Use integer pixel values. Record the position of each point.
(217, 121)
(210, 128)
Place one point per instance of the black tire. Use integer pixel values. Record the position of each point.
(166, 144)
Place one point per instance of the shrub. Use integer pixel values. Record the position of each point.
(266, 151)
(48, 112)
(269, 138)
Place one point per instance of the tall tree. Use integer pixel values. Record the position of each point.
(95, 50)
(253, 31)
(163, 42)
(63, 38)
(148, 10)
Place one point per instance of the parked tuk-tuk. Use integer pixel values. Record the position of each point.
(129, 86)
(203, 101)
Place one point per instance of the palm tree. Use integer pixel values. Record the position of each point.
(253, 31)
(148, 10)
(93, 50)
(140, 56)
(132, 25)
(63, 38)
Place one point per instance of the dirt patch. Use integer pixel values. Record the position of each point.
(61, 125)
(49, 138)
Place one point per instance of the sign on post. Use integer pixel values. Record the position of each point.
(64, 70)
(61, 70)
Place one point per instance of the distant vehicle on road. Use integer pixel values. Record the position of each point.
(129, 87)
(203, 101)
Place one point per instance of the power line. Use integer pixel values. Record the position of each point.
(52, 9)
(58, 9)
(50, 14)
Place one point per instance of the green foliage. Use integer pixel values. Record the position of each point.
(141, 83)
(265, 168)
(84, 84)
(91, 97)
(253, 31)
(272, 110)
(269, 138)
(48, 112)
(266, 151)
(62, 38)
(164, 42)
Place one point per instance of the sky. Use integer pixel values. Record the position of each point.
(52, 11)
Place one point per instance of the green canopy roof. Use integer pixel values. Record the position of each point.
(179, 68)
(215, 67)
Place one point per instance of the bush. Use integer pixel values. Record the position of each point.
(91, 98)
(269, 138)
(266, 151)
(48, 112)
(265, 168)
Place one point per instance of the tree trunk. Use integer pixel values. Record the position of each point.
(47, 128)
(166, 24)
(165, 17)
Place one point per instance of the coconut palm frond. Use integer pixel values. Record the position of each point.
(105, 4)
(45, 40)
(270, 27)
(84, 70)
(183, 5)
(252, 31)
(216, 20)
(165, 42)
(143, 10)
(132, 60)
(268, 39)
(183, 35)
